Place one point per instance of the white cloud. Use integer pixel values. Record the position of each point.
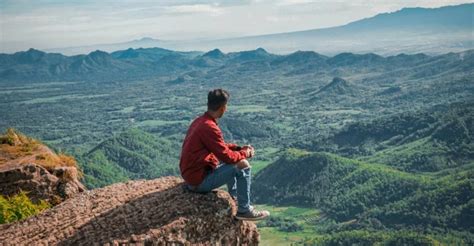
(192, 9)
(49, 24)
(272, 18)
(293, 2)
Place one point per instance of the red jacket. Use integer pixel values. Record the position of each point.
(202, 149)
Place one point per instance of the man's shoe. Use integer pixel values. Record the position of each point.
(252, 214)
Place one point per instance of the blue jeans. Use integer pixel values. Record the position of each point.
(237, 181)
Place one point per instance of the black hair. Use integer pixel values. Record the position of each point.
(216, 99)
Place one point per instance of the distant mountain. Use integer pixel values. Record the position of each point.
(258, 54)
(458, 17)
(150, 62)
(300, 58)
(337, 90)
(215, 53)
(145, 42)
(337, 86)
(150, 54)
(350, 59)
(409, 30)
(97, 64)
(211, 58)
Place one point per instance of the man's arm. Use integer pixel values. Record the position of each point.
(234, 146)
(214, 141)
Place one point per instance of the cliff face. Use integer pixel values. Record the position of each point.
(154, 212)
(53, 185)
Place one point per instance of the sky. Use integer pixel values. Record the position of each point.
(44, 24)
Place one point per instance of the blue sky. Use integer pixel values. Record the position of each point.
(46, 24)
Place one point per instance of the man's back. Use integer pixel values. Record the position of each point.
(203, 148)
(193, 152)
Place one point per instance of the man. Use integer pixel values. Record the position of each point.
(202, 150)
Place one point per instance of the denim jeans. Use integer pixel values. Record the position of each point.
(237, 181)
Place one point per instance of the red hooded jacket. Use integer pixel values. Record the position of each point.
(202, 149)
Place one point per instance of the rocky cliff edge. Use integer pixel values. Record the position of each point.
(153, 212)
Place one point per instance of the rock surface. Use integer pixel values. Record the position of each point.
(55, 186)
(153, 212)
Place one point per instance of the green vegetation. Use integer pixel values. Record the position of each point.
(257, 166)
(288, 224)
(249, 108)
(19, 207)
(361, 237)
(426, 140)
(368, 146)
(283, 224)
(319, 229)
(349, 192)
(133, 154)
(59, 98)
(160, 122)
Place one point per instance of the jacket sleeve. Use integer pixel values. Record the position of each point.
(233, 146)
(211, 137)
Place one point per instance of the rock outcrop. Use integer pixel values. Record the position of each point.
(28, 165)
(153, 212)
(54, 186)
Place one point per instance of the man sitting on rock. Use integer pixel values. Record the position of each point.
(202, 150)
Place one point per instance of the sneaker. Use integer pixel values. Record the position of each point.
(252, 214)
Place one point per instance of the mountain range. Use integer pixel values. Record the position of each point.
(149, 62)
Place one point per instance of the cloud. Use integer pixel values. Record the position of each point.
(56, 23)
(213, 9)
(293, 2)
(272, 18)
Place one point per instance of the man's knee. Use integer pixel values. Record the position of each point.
(243, 164)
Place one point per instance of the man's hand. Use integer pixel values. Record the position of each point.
(250, 150)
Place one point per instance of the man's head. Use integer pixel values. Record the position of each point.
(217, 102)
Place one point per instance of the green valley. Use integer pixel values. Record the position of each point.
(353, 148)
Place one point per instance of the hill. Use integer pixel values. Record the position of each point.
(336, 90)
(425, 140)
(372, 195)
(337, 86)
(132, 154)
